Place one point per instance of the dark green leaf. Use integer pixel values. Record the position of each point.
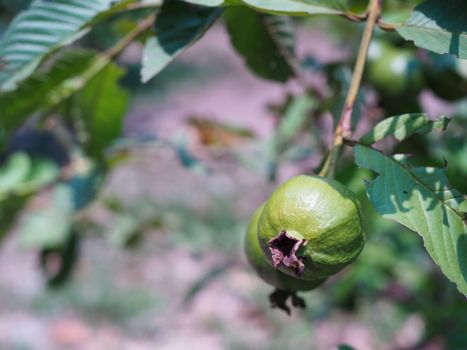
(178, 26)
(463, 206)
(14, 172)
(345, 347)
(285, 7)
(403, 126)
(439, 26)
(206, 2)
(22, 175)
(46, 90)
(9, 210)
(44, 27)
(298, 7)
(64, 255)
(50, 225)
(266, 42)
(422, 200)
(102, 106)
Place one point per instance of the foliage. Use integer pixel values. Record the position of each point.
(439, 27)
(273, 42)
(41, 29)
(53, 81)
(172, 38)
(422, 200)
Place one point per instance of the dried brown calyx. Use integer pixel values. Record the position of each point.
(284, 249)
(279, 298)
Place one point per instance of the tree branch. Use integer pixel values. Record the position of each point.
(344, 126)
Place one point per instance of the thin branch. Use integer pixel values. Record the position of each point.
(354, 17)
(344, 127)
(388, 27)
(128, 39)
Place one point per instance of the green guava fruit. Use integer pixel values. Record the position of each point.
(311, 227)
(264, 269)
(393, 71)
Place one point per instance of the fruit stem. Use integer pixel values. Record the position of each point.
(344, 127)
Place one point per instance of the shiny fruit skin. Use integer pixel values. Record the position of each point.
(321, 211)
(264, 269)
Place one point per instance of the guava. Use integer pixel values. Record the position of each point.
(263, 267)
(285, 286)
(311, 227)
(394, 71)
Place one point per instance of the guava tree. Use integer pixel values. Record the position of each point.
(64, 87)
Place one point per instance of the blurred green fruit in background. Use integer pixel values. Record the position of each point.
(394, 72)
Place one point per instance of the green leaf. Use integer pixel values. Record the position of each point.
(47, 89)
(403, 126)
(9, 210)
(43, 28)
(284, 7)
(23, 175)
(102, 106)
(178, 26)
(266, 42)
(57, 263)
(212, 3)
(439, 26)
(49, 226)
(422, 200)
(20, 177)
(345, 347)
(298, 7)
(463, 206)
(15, 171)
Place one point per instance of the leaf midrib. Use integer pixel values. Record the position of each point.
(428, 29)
(329, 10)
(416, 179)
(283, 50)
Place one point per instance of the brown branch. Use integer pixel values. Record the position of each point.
(344, 126)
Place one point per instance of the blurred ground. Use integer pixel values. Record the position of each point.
(139, 299)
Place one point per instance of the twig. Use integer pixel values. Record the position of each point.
(344, 127)
(128, 39)
(355, 17)
(388, 27)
